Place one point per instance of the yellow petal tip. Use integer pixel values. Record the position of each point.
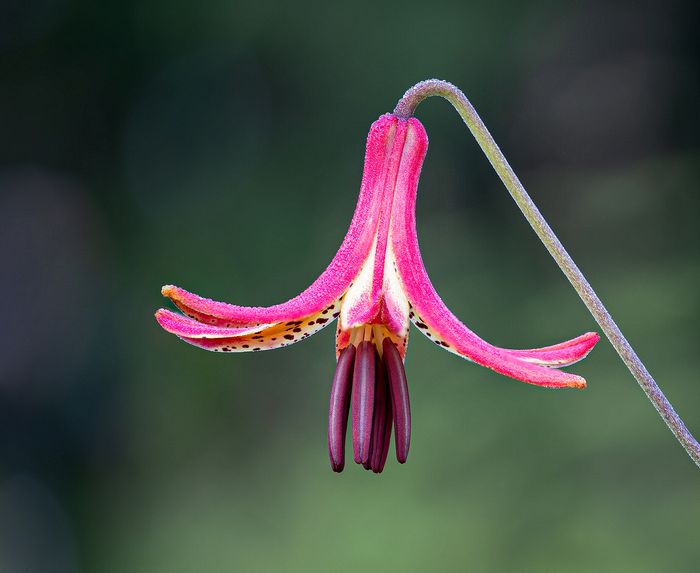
(167, 290)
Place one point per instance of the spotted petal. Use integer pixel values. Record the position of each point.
(245, 339)
(329, 287)
(557, 355)
(447, 330)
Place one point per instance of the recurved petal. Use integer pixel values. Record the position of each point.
(346, 264)
(429, 310)
(557, 355)
(444, 329)
(187, 327)
(562, 354)
(243, 339)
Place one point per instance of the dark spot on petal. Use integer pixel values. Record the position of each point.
(322, 320)
(297, 329)
(335, 314)
(289, 336)
(245, 346)
(312, 322)
(421, 325)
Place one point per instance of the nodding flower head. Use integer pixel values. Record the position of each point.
(376, 285)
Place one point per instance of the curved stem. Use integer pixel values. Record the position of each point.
(405, 108)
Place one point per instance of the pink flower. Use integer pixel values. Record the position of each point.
(375, 285)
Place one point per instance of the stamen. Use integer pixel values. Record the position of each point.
(356, 335)
(387, 434)
(399, 399)
(340, 407)
(363, 401)
(378, 371)
(379, 333)
(382, 409)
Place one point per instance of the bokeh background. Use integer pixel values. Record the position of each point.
(219, 146)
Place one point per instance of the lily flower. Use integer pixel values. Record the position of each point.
(376, 285)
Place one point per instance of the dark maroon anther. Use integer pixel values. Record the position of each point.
(387, 435)
(381, 399)
(363, 401)
(399, 399)
(340, 407)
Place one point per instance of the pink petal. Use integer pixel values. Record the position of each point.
(395, 306)
(189, 328)
(429, 308)
(376, 294)
(347, 262)
(246, 339)
(391, 171)
(562, 354)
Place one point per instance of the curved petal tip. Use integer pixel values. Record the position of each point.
(579, 383)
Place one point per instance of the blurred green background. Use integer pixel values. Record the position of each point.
(219, 146)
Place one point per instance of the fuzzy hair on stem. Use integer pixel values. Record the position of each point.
(406, 107)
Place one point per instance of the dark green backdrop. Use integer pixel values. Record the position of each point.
(219, 146)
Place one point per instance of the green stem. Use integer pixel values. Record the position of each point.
(406, 107)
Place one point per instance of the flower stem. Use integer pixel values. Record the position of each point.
(406, 107)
